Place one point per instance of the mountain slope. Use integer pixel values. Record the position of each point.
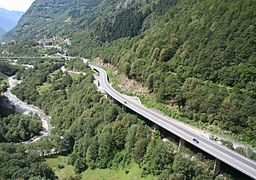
(2, 32)
(65, 17)
(198, 55)
(9, 19)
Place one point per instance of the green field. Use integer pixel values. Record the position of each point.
(65, 172)
(132, 172)
(74, 76)
(44, 88)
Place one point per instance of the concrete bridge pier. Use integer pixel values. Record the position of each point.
(124, 108)
(110, 97)
(155, 127)
(216, 168)
(181, 143)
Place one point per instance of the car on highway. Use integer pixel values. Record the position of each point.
(195, 140)
(125, 102)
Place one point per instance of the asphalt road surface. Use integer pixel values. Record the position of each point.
(220, 152)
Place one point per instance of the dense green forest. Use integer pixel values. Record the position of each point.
(20, 49)
(5, 71)
(202, 57)
(98, 133)
(91, 130)
(17, 128)
(198, 54)
(3, 83)
(15, 163)
(27, 47)
(14, 127)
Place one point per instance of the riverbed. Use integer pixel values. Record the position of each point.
(26, 109)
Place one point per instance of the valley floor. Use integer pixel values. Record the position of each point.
(67, 171)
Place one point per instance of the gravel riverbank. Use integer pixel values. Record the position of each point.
(24, 108)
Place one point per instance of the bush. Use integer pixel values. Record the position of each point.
(228, 144)
(61, 166)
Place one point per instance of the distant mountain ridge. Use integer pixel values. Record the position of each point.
(9, 19)
(2, 32)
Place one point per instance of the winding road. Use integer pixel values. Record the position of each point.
(220, 152)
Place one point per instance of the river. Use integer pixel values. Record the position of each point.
(24, 108)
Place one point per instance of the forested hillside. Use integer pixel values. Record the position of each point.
(5, 71)
(101, 20)
(197, 57)
(198, 54)
(91, 131)
(14, 127)
(96, 133)
(16, 163)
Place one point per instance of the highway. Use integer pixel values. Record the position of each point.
(220, 152)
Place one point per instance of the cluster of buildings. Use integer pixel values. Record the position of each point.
(54, 41)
